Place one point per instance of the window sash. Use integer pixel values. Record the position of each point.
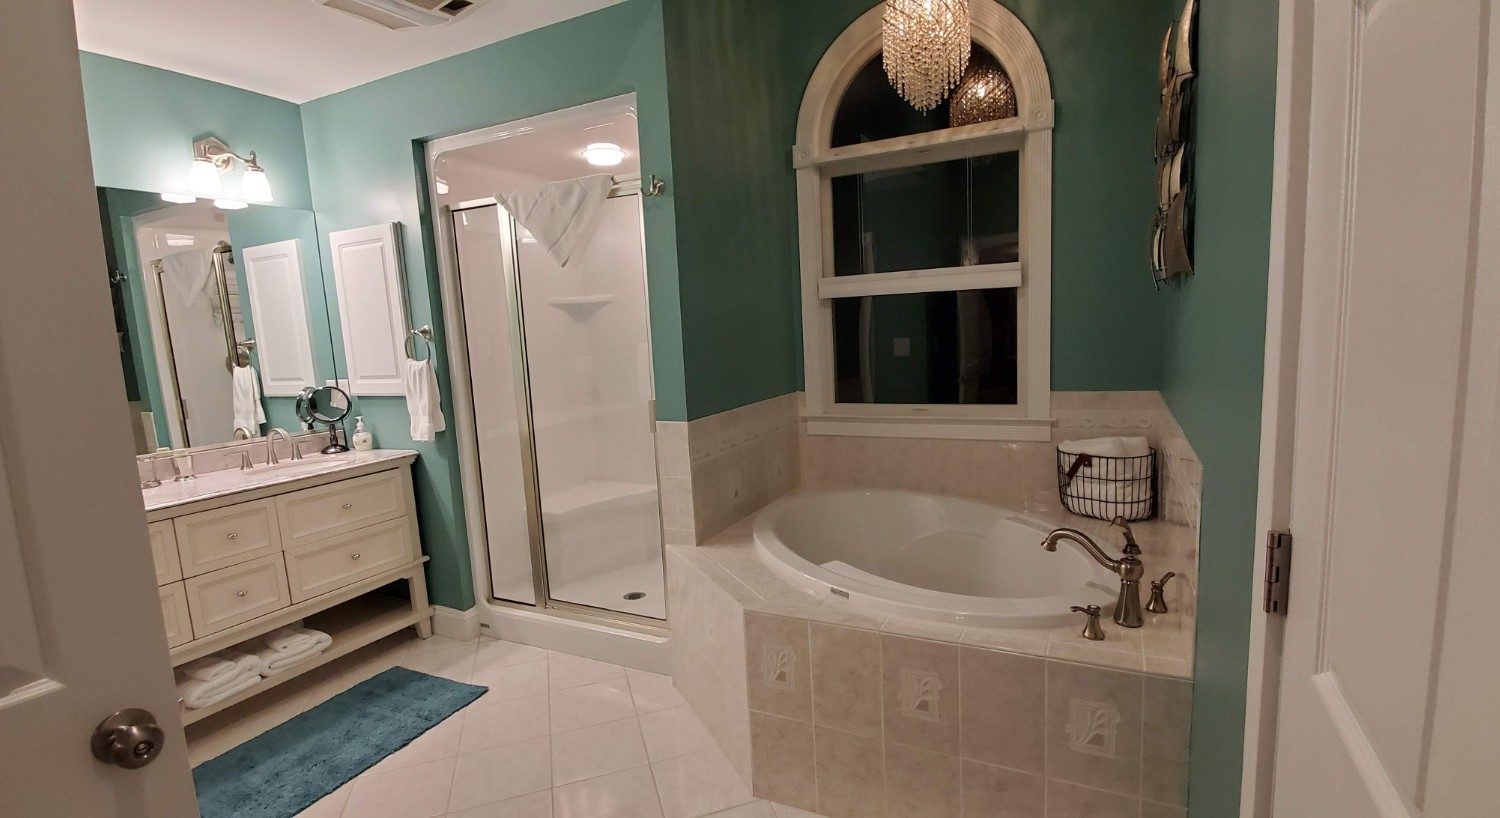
(1010, 275)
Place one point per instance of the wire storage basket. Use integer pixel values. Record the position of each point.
(1108, 487)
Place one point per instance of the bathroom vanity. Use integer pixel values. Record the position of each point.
(240, 553)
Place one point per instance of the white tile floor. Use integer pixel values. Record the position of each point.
(556, 735)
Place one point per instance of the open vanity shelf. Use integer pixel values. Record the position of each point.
(263, 551)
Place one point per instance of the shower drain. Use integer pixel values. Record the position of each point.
(634, 595)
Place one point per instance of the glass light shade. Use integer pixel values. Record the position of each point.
(254, 186)
(231, 204)
(984, 95)
(925, 47)
(203, 178)
(179, 198)
(604, 154)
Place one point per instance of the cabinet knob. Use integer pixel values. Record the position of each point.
(239, 593)
(233, 536)
(348, 506)
(353, 556)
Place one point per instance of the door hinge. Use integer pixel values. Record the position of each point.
(1278, 571)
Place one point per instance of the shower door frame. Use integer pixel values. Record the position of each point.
(456, 344)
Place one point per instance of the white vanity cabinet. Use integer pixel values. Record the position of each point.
(243, 556)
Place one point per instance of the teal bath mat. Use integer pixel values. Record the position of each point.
(288, 768)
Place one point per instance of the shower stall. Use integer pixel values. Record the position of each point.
(552, 367)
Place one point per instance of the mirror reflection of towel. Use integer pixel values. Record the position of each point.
(248, 412)
(188, 272)
(561, 216)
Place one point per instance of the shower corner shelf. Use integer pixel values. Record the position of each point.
(581, 306)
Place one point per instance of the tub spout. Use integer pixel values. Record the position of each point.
(1128, 567)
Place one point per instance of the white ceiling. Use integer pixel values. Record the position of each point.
(294, 49)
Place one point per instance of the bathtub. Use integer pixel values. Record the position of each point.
(927, 556)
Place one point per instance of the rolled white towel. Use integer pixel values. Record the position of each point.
(211, 669)
(197, 693)
(1110, 447)
(1113, 491)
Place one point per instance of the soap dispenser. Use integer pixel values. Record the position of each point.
(363, 440)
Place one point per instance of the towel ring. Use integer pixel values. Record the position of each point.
(425, 333)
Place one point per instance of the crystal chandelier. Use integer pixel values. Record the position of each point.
(985, 94)
(926, 48)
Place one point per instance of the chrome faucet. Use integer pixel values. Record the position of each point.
(1128, 566)
(271, 458)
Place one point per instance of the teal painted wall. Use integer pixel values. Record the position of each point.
(142, 122)
(1212, 361)
(737, 226)
(365, 156)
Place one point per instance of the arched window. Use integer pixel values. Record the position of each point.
(926, 242)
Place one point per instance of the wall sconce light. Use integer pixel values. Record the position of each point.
(212, 158)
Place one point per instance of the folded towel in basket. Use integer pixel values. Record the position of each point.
(1110, 447)
(1110, 491)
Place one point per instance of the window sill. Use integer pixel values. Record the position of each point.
(1035, 430)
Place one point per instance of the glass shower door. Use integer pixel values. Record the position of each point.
(588, 363)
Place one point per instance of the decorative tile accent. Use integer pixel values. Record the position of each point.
(778, 667)
(1093, 727)
(921, 695)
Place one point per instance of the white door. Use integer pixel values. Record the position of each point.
(1384, 450)
(80, 621)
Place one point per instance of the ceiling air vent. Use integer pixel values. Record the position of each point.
(396, 14)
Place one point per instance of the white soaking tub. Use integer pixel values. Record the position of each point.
(927, 556)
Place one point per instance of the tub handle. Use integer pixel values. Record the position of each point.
(1158, 603)
(1091, 628)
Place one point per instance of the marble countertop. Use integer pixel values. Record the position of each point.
(233, 481)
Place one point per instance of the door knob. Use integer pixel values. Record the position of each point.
(130, 739)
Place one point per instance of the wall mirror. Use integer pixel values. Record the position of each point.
(221, 315)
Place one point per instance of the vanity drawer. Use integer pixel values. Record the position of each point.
(229, 596)
(320, 567)
(174, 613)
(220, 538)
(318, 513)
(164, 552)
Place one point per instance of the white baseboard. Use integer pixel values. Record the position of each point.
(454, 624)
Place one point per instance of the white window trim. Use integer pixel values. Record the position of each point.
(1004, 35)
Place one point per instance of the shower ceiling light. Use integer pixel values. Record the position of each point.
(230, 204)
(925, 47)
(604, 154)
(179, 198)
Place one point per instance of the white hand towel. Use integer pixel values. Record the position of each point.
(423, 402)
(249, 414)
(277, 662)
(561, 216)
(189, 272)
(291, 639)
(244, 661)
(197, 693)
(210, 669)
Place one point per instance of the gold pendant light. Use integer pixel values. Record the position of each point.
(985, 94)
(926, 48)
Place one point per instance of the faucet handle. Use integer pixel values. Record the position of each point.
(1091, 629)
(1158, 603)
(1130, 544)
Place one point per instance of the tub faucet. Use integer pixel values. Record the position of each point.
(1128, 566)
